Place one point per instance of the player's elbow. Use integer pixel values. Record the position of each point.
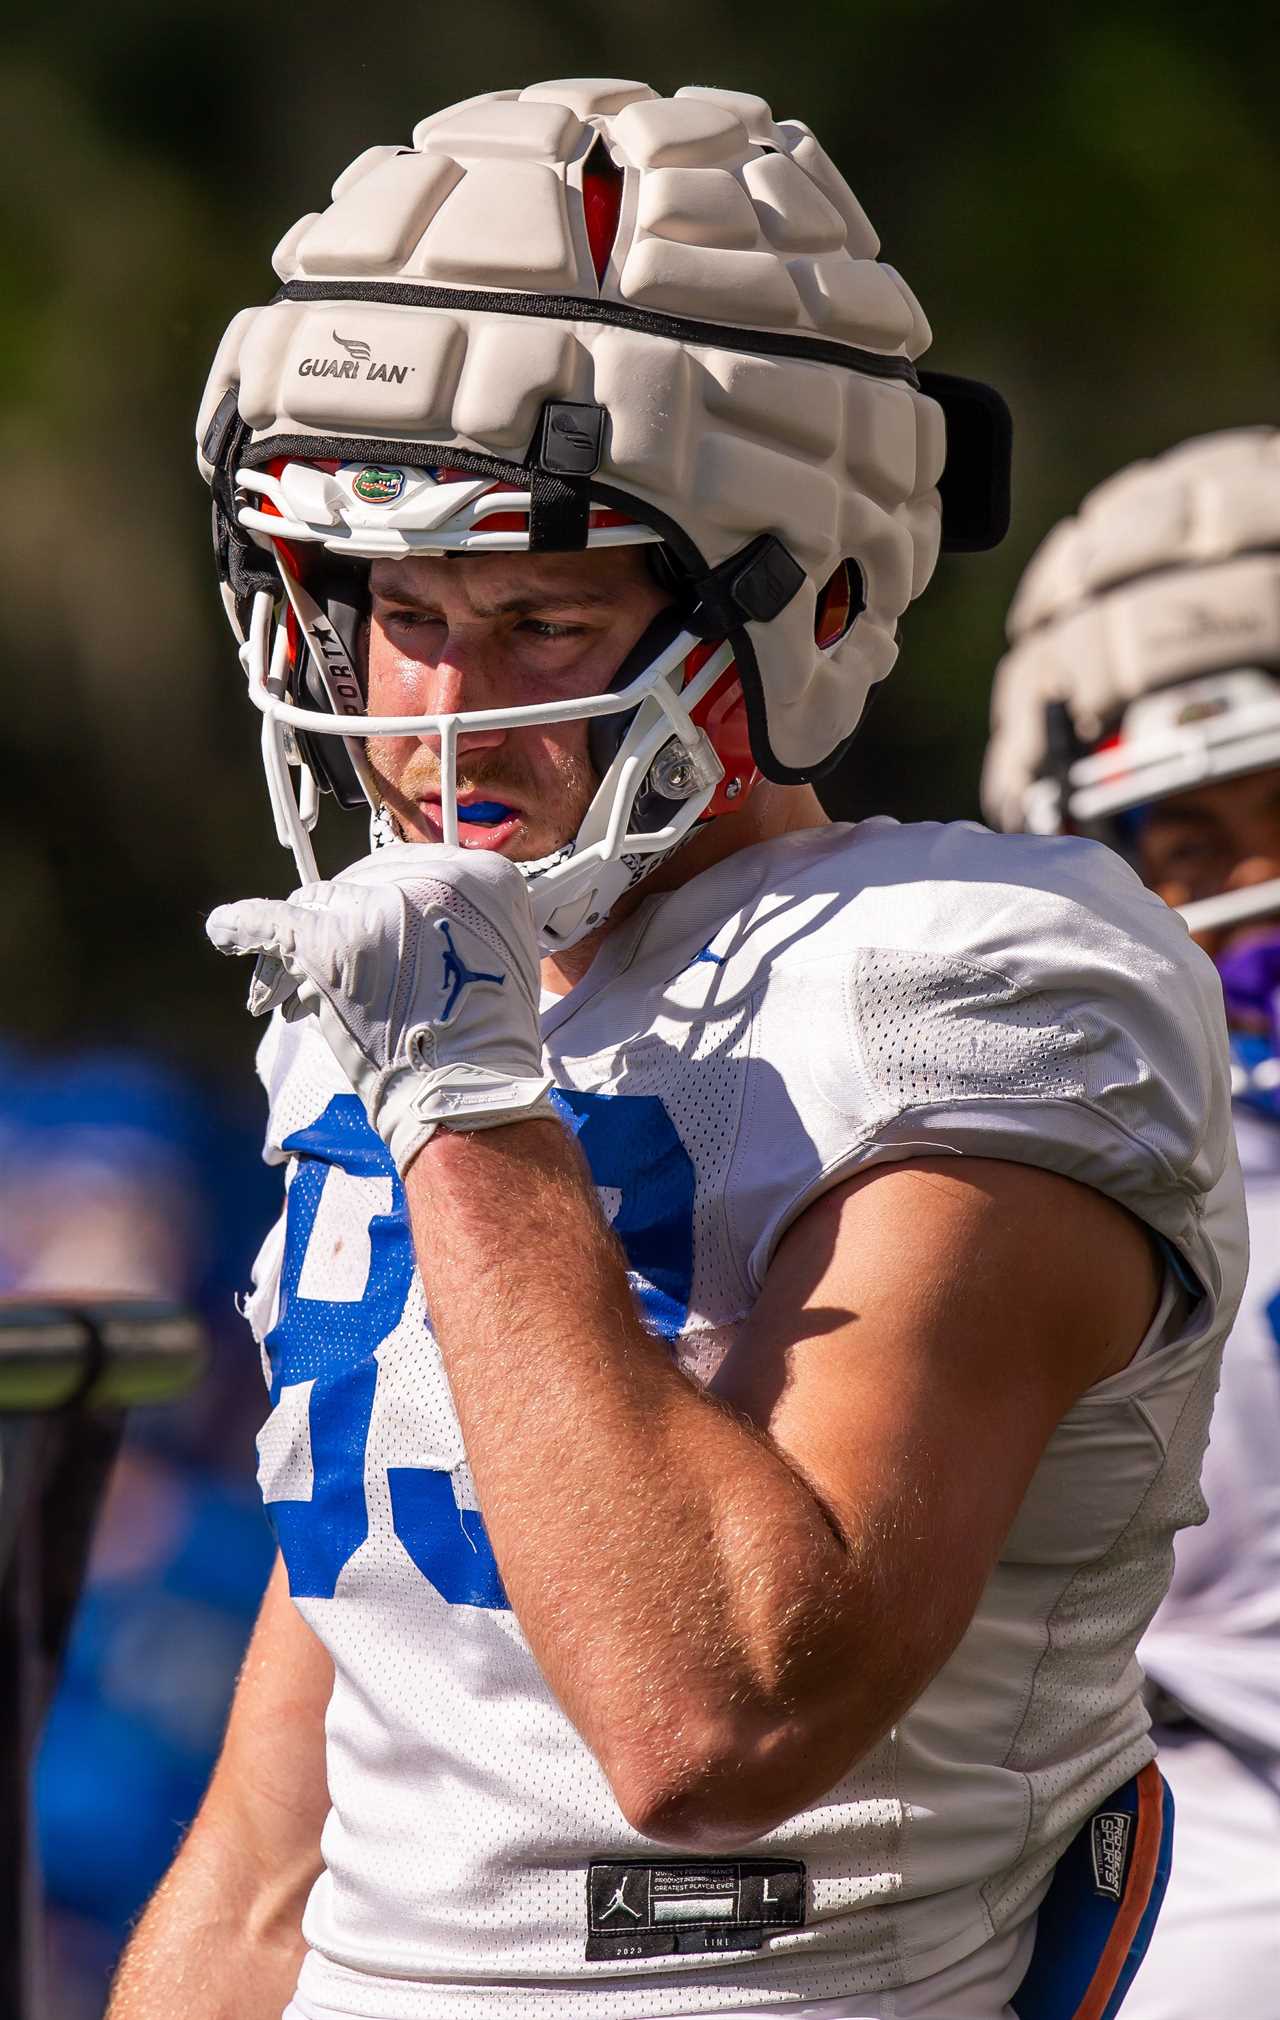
(734, 1788)
(701, 1820)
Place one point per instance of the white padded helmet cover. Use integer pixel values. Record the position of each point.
(727, 217)
(1171, 569)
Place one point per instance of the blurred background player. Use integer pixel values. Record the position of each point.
(1140, 703)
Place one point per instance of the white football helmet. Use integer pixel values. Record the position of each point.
(1144, 652)
(572, 316)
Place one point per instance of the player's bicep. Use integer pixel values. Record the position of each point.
(923, 1327)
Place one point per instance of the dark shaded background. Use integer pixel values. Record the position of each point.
(1084, 198)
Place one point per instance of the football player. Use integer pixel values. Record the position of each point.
(1140, 702)
(743, 1327)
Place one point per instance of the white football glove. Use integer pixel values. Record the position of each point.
(420, 965)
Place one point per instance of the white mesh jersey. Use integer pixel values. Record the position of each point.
(1215, 1643)
(802, 1010)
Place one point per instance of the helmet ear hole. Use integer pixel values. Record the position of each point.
(841, 601)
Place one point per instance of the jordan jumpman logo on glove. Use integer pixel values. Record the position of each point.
(420, 966)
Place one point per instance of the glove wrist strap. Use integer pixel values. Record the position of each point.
(459, 1096)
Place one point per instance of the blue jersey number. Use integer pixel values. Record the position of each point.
(635, 1155)
(332, 1345)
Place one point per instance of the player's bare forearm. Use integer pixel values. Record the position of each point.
(222, 1936)
(677, 1580)
(202, 1952)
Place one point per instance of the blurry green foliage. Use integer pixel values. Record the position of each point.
(1085, 199)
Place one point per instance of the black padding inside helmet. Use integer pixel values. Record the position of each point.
(1064, 746)
(342, 591)
(976, 478)
(606, 733)
(343, 594)
(240, 563)
(222, 428)
(330, 765)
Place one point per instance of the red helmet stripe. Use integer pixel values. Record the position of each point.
(602, 202)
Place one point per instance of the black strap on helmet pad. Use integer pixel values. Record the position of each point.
(562, 458)
(754, 584)
(559, 513)
(242, 565)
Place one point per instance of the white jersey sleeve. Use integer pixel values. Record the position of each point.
(982, 995)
